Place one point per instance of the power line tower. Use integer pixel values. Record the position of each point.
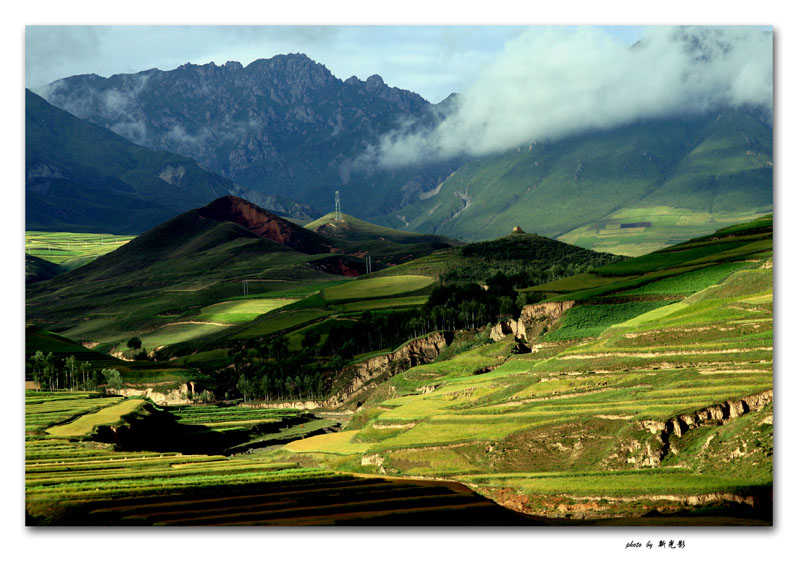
(338, 216)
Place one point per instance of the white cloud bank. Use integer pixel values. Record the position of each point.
(552, 82)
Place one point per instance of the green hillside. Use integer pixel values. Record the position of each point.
(209, 269)
(628, 190)
(526, 257)
(649, 396)
(640, 393)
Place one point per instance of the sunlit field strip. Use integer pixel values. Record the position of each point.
(652, 407)
(34, 396)
(618, 484)
(134, 489)
(58, 247)
(617, 363)
(70, 404)
(86, 423)
(124, 473)
(41, 415)
(241, 311)
(643, 399)
(377, 287)
(439, 431)
(127, 463)
(337, 443)
(129, 486)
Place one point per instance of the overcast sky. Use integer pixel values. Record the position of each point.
(433, 61)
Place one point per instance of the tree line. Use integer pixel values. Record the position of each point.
(52, 372)
(269, 371)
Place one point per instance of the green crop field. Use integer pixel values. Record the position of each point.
(379, 287)
(668, 225)
(241, 311)
(178, 333)
(69, 481)
(71, 249)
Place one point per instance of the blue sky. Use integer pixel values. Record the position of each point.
(433, 61)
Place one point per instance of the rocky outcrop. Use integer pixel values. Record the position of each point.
(287, 405)
(161, 395)
(418, 351)
(508, 327)
(533, 320)
(264, 224)
(714, 415)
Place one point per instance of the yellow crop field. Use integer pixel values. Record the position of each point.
(334, 443)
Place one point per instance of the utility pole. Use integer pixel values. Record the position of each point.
(245, 288)
(369, 264)
(338, 213)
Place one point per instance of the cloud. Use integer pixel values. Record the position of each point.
(552, 82)
(54, 51)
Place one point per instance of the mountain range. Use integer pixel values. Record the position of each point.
(280, 126)
(285, 129)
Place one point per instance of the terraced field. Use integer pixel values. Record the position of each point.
(71, 249)
(649, 400)
(82, 481)
(651, 394)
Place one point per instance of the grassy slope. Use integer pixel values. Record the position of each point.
(565, 421)
(686, 177)
(38, 269)
(70, 249)
(164, 276)
(354, 229)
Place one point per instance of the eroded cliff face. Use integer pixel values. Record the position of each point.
(418, 351)
(163, 394)
(533, 320)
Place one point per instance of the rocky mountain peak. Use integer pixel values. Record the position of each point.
(264, 224)
(374, 82)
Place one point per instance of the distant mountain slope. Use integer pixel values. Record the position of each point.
(82, 177)
(286, 127)
(281, 126)
(354, 229)
(653, 183)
